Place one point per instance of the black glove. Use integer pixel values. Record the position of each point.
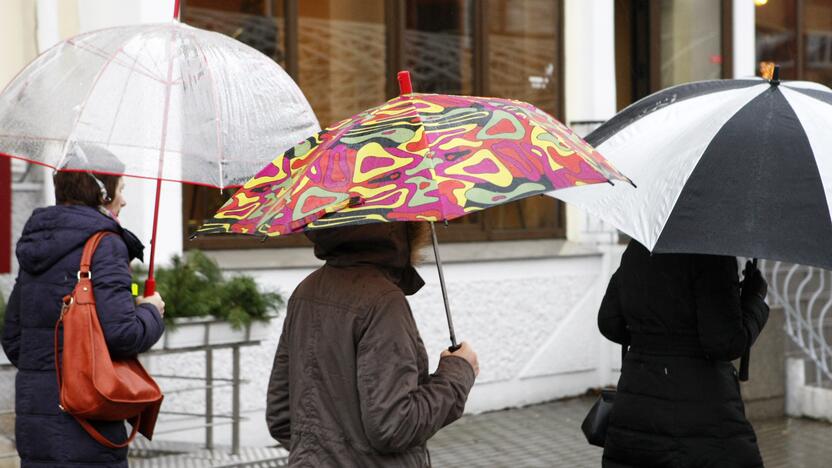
(753, 283)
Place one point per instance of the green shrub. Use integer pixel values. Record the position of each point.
(194, 286)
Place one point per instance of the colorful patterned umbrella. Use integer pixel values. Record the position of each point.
(418, 157)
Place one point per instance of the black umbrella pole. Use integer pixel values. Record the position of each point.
(746, 355)
(453, 346)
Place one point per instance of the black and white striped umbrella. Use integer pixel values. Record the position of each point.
(731, 167)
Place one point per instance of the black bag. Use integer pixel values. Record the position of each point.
(596, 421)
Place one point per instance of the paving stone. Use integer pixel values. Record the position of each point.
(545, 435)
(548, 435)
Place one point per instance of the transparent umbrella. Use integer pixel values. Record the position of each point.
(172, 102)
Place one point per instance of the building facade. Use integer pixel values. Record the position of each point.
(524, 279)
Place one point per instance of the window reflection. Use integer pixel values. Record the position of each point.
(523, 44)
(341, 56)
(776, 37)
(818, 41)
(691, 41)
(256, 23)
(438, 45)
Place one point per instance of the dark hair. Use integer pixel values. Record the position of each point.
(75, 186)
(80, 188)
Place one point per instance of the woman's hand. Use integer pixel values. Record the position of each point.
(753, 282)
(154, 299)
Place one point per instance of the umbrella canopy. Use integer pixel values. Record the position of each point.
(418, 157)
(729, 167)
(170, 101)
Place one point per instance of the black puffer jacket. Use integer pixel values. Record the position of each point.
(678, 402)
(350, 385)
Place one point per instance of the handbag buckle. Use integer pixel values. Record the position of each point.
(88, 275)
(67, 302)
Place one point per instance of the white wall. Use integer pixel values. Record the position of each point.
(532, 323)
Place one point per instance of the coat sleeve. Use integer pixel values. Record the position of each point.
(611, 321)
(396, 411)
(726, 324)
(277, 397)
(128, 329)
(11, 327)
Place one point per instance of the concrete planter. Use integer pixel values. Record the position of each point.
(199, 332)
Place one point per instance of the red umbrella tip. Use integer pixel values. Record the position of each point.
(405, 86)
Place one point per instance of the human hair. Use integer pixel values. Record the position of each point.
(419, 237)
(80, 188)
(74, 185)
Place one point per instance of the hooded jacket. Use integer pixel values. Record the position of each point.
(350, 385)
(49, 254)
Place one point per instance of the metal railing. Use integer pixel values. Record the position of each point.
(805, 294)
(208, 383)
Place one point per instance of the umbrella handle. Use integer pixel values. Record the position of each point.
(149, 287)
(454, 346)
(746, 355)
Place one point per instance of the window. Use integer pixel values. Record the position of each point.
(690, 41)
(667, 42)
(776, 24)
(817, 41)
(797, 36)
(341, 56)
(344, 55)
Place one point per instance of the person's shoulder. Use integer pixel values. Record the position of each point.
(358, 287)
(111, 247)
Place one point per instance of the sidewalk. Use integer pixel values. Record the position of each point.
(545, 435)
(548, 435)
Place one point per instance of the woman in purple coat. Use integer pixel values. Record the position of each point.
(49, 254)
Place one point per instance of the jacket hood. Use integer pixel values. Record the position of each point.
(53, 232)
(385, 245)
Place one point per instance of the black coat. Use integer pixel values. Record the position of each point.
(678, 402)
(49, 253)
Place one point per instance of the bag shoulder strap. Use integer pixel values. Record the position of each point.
(89, 250)
(93, 432)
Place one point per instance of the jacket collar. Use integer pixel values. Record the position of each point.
(385, 245)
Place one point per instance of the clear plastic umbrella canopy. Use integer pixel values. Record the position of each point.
(170, 101)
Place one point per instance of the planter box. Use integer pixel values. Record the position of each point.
(200, 332)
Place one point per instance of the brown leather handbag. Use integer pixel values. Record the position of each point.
(92, 385)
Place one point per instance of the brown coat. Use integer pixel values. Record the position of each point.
(350, 384)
